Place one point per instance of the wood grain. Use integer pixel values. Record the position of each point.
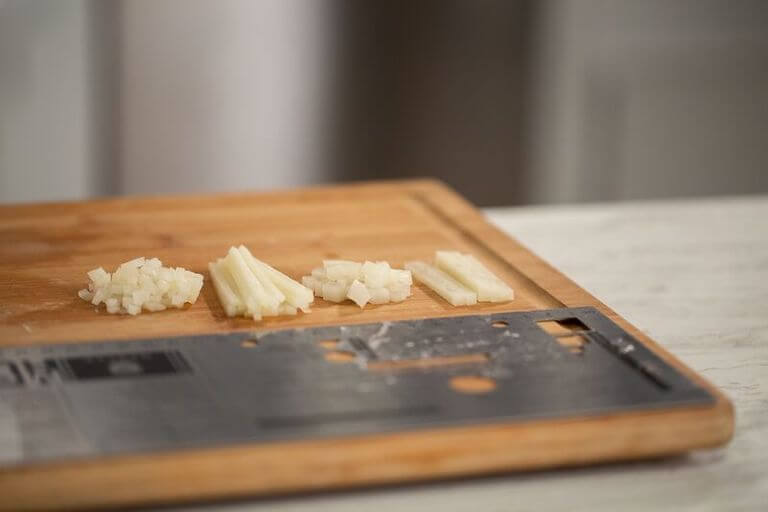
(45, 251)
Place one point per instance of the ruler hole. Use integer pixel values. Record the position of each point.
(562, 327)
(473, 384)
(329, 344)
(340, 356)
(573, 324)
(500, 324)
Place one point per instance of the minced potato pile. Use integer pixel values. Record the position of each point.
(142, 284)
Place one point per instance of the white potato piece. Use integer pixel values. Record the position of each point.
(340, 270)
(358, 293)
(441, 283)
(399, 293)
(154, 306)
(335, 291)
(225, 289)
(337, 262)
(99, 276)
(248, 287)
(474, 275)
(113, 305)
(379, 295)
(272, 296)
(375, 275)
(311, 283)
(296, 294)
(287, 309)
(292, 292)
(86, 295)
(193, 285)
(317, 285)
(399, 277)
(134, 263)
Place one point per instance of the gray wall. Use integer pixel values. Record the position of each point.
(510, 101)
(640, 99)
(161, 96)
(222, 95)
(49, 145)
(434, 87)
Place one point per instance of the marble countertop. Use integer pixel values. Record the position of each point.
(692, 274)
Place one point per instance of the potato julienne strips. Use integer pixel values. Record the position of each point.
(272, 295)
(247, 286)
(441, 283)
(224, 290)
(294, 293)
(474, 275)
(230, 280)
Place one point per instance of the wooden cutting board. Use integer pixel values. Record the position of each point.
(46, 250)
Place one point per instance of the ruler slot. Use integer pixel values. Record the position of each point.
(208, 390)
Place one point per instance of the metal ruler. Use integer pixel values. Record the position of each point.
(117, 397)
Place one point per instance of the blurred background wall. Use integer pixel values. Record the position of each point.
(512, 102)
(54, 98)
(651, 98)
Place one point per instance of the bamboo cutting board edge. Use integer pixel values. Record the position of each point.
(418, 455)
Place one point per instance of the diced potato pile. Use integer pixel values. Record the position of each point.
(142, 284)
(460, 279)
(249, 287)
(374, 282)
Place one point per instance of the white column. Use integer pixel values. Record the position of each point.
(47, 149)
(225, 95)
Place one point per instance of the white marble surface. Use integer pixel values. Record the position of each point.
(693, 275)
